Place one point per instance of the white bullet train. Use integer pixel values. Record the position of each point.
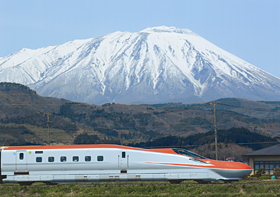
(95, 163)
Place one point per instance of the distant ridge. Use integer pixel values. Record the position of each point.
(156, 65)
(6, 87)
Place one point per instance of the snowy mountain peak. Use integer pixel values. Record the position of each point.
(161, 29)
(155, 65)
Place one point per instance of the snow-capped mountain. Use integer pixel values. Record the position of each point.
(155, 65)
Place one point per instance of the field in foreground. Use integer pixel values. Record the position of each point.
(187, 188)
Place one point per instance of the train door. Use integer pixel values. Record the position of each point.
(21, 157)
(123, 160)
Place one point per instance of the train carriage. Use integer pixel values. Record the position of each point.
(94, 163)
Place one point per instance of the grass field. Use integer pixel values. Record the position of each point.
(253, 187)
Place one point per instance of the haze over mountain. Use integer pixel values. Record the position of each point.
(155, 65)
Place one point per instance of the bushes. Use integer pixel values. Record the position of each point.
(141, 189)
(259, 173)
(276, 172)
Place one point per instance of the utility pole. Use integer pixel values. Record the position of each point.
(48, 124)
(215, 129)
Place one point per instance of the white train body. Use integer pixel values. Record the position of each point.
(94, 163)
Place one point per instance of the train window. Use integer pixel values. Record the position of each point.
(21, 156)
(38, 152)
(63, 159)
(51, 159)
(123, 154)
(87, 158)
(38, 159)
(188, 153)
(75, 158)
(100, 158)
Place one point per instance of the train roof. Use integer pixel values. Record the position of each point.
(86, 146)
(78, 146)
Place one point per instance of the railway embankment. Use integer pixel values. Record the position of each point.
(249, 187)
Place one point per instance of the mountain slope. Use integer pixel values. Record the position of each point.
(155, 65)
(19, 101)
(24, 116)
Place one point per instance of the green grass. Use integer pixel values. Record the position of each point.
(187, 188)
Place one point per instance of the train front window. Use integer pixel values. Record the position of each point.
(188, 153)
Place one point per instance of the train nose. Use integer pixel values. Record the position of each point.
(241, 170)
(232, 170)
(241, 174)
(247, 170)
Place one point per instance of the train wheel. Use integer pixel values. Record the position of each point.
(175, 181)
(50, 183)
(228, 182)
(203, 182)
(25, 183)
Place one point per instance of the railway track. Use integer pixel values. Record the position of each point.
(124, 184)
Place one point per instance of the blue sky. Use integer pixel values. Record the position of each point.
(249, 29)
